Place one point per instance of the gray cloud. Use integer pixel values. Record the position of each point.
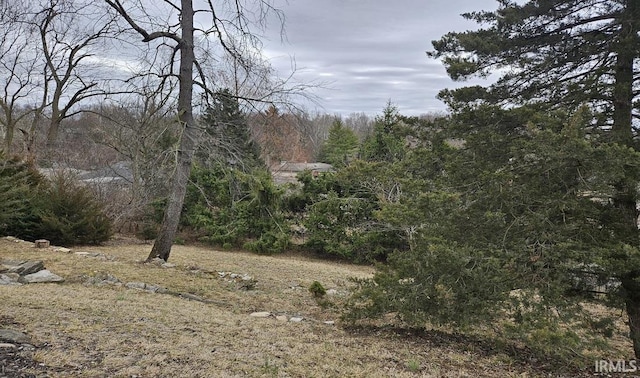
(369, 52)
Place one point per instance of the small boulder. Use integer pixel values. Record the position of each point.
(136, 285)
(9, 279)
(40, 277)
(296, 319)
(27, 267)
(155, 289)
(260, 314)
(42, 243)
(14, 337)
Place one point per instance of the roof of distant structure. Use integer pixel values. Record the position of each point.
(299, 167)
(287, 172)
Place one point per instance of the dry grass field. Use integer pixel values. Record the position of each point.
(86, 330)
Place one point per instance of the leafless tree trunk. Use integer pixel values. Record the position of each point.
(188, 142)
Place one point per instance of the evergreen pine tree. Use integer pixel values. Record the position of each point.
(341, 146)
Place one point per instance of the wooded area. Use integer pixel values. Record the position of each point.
(517, 211)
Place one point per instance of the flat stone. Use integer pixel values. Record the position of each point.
(168, 265)
(332, 292)
(329, 322)
(41, 277)
(103, 279)
(296, 319)
(282, 318)
(136, 285)
(260, 314)
(14, 337)
(10, 279)
(89, 254)
(27, 267)
(155, 289)
(62, 249)
(8, 346)
(11, 238)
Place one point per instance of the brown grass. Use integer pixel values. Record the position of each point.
(84, 330)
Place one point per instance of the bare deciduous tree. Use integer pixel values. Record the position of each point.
(46, 50)
(140, 130)
(228, 32)
(68, 31)
(19, 64)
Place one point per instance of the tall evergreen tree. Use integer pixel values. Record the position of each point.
(228, 138)
(387, 142)
(340, 147)
(565, 53)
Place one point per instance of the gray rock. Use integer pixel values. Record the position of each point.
(156, 261)
(155, 289)
(260, 314)
(136, 285)
(89, 254)
(8, 346)
(14, 337)
(27, 267)
(168, 265)
(296, 319)
(102, 279)
(332, 292)
(10, 279)
(40, 277)
(62, 249)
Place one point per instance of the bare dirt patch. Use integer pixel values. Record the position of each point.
(87, 330)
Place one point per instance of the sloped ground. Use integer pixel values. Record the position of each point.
(88, 328)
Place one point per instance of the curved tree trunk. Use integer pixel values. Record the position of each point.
(162, 246)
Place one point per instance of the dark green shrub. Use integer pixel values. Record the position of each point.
(317, 289)
(31, 207)
(228, 207)
(340, 214)
(20, 184)
(70, 215)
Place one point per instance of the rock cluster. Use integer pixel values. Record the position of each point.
(102, 279)
(243, 281)
(18, 272)
(285, 318)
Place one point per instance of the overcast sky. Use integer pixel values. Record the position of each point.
(370, 51)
